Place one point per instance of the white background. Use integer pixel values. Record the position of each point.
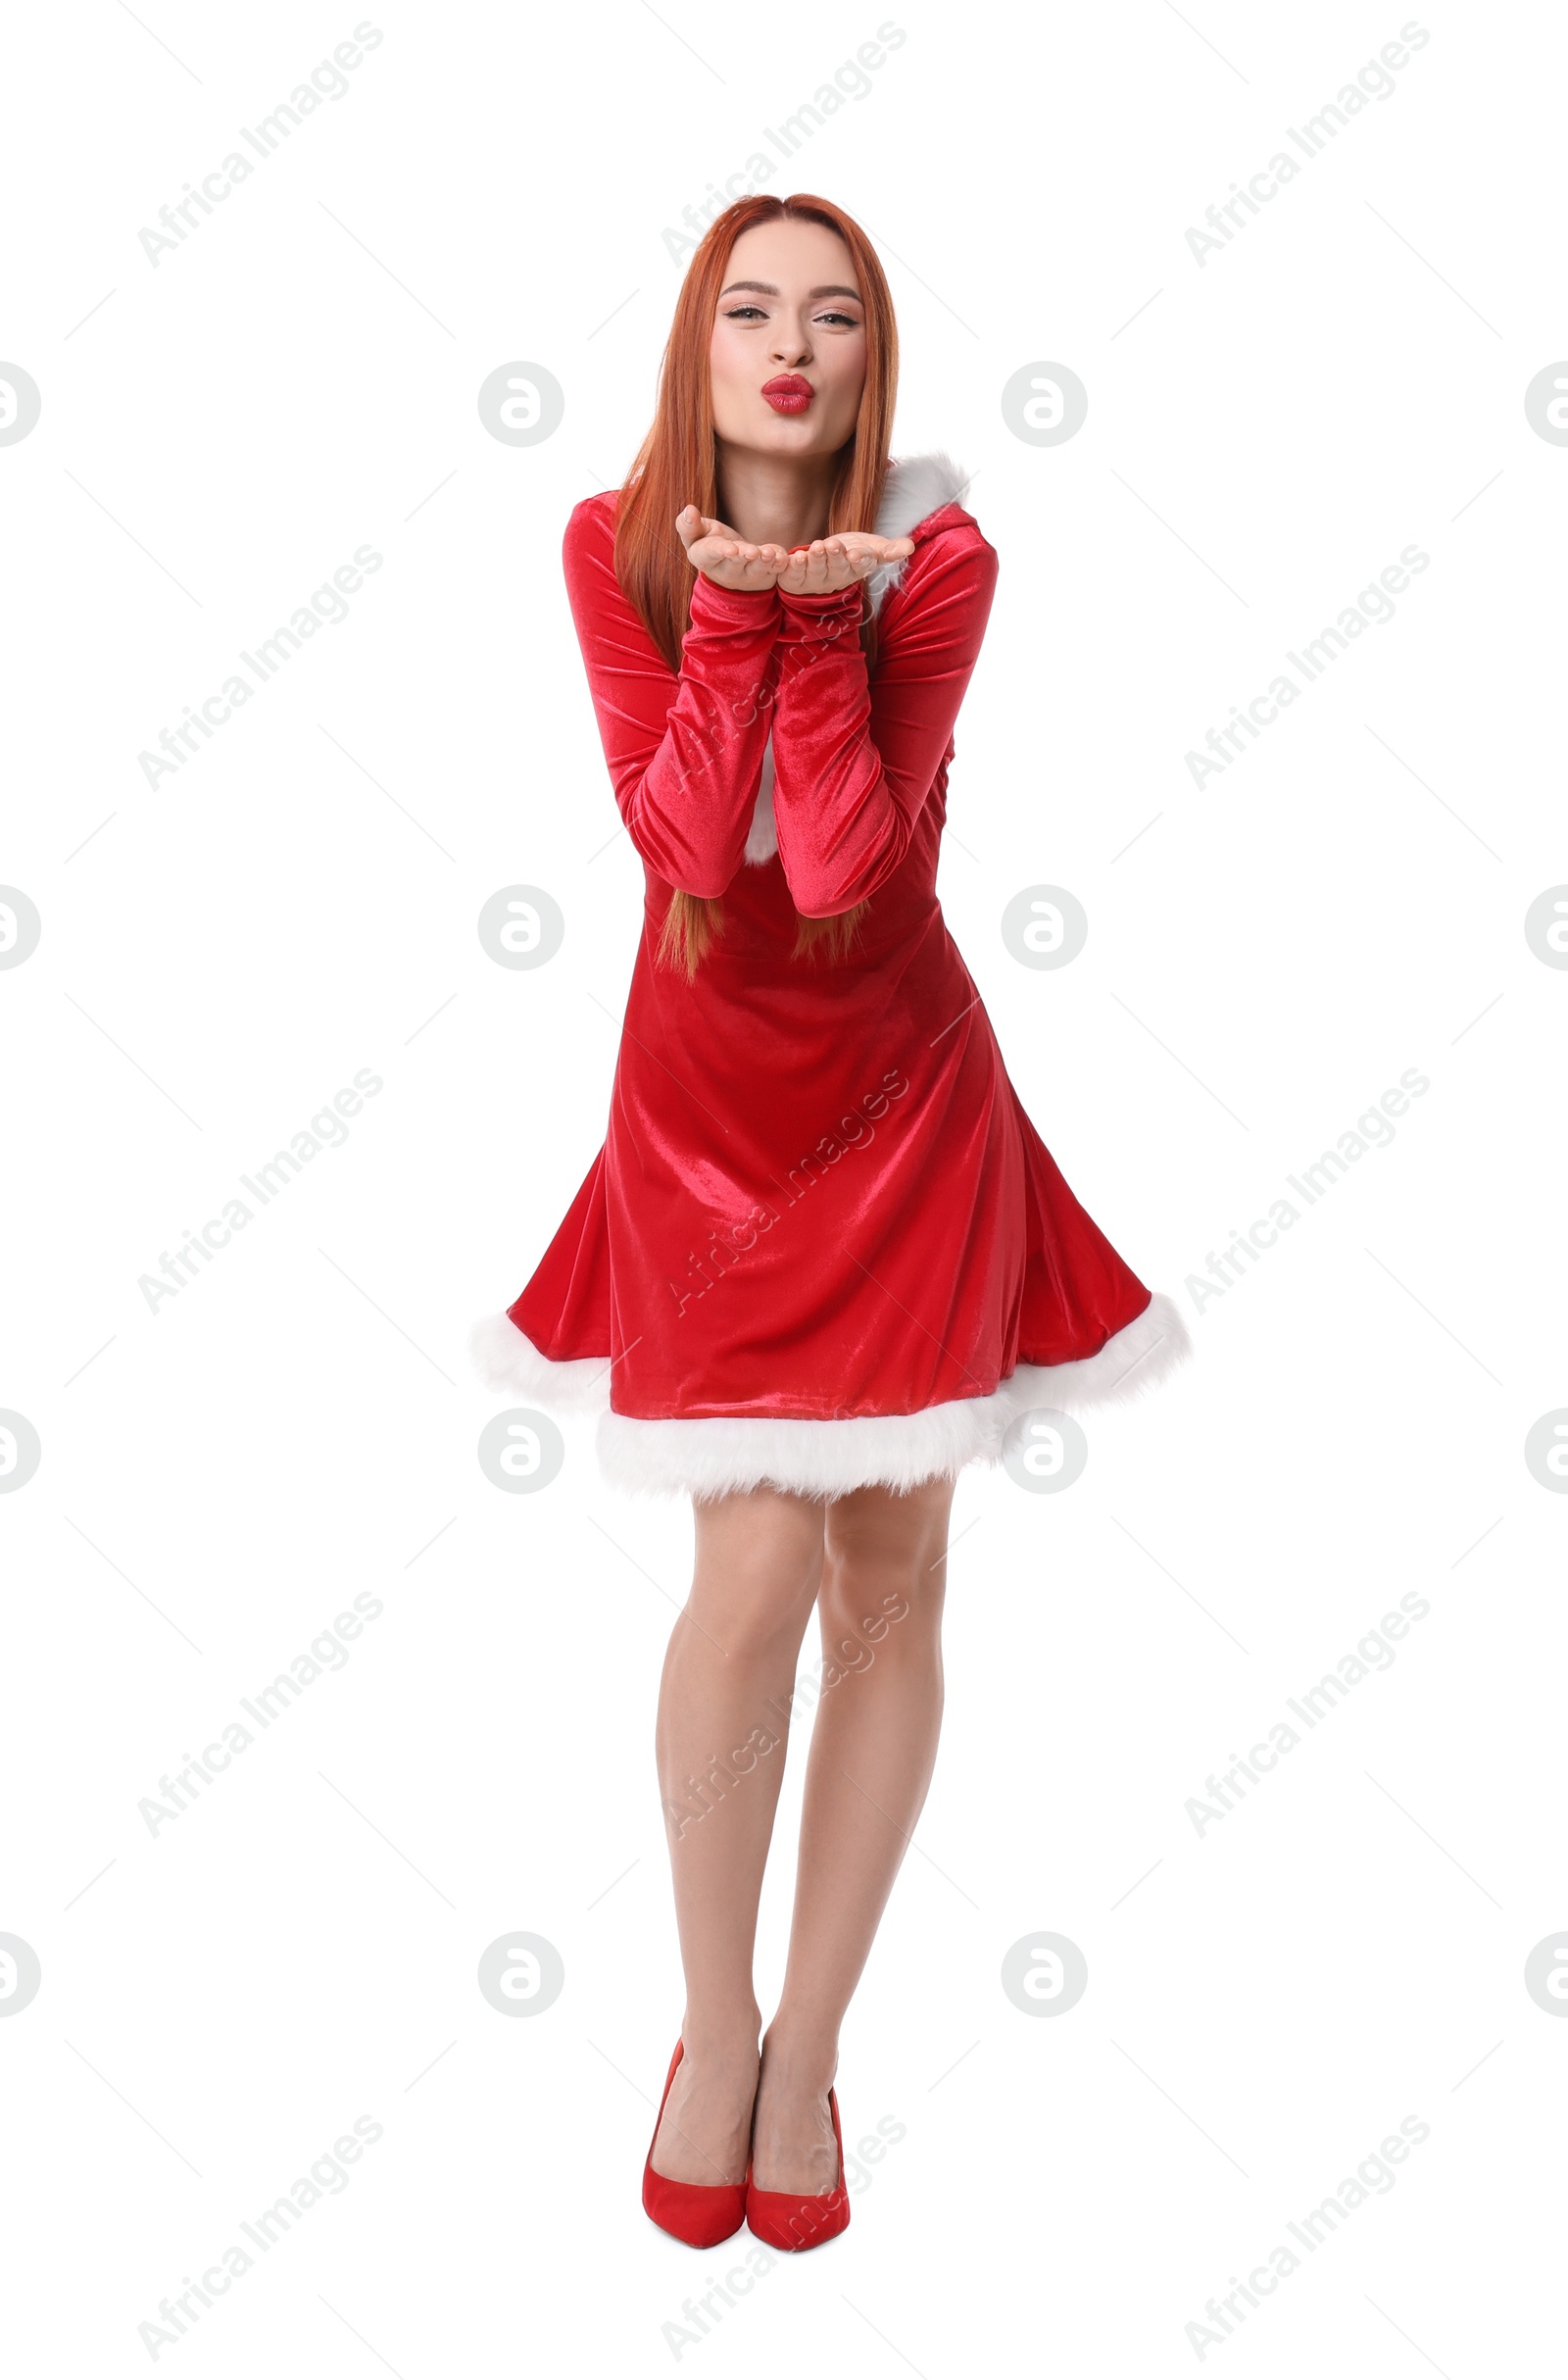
(221, 953)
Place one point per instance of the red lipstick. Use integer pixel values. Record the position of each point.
(788, 393)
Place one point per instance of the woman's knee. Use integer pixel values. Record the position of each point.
(877, 1531)
(883, 1573)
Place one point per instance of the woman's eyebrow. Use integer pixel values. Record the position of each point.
(767, 289)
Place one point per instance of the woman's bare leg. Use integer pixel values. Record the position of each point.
(873, 1748)
(723, 1719)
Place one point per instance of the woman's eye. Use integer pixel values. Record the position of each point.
(737, 313)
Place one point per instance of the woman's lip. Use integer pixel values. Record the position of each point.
(789, 393)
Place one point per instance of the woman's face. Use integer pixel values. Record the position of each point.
(789, 312)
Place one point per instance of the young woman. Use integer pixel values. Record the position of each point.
(823, 1260)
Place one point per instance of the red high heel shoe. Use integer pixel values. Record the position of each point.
(701, 2213)
(783, 2220)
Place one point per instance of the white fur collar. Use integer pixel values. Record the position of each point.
(913, 489)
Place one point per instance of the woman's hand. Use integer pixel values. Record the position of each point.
(728, 560)
(840, 560)
(822, 567)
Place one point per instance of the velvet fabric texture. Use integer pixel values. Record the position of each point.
(819, 1198)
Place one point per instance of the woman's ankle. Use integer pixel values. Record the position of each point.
(801, 2057)
(721, 2037)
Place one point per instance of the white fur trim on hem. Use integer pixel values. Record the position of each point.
(720, 1455)
(505, 1358)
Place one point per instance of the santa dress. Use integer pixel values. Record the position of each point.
(822, 1246)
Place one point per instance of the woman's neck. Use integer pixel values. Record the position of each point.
(776, 499)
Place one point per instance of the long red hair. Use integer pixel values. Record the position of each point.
(677, 463)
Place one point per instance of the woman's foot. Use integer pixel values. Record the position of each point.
(705, 2136)
(793, 2148)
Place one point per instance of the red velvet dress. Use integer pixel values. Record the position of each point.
(822, 1244)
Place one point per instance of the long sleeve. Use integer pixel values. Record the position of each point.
(684, 753)
(855, 757)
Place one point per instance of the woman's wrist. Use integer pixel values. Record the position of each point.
(833, 618)
(712, 600)
(844, 599)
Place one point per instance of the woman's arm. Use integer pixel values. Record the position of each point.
(684, 753)
(855, 759)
